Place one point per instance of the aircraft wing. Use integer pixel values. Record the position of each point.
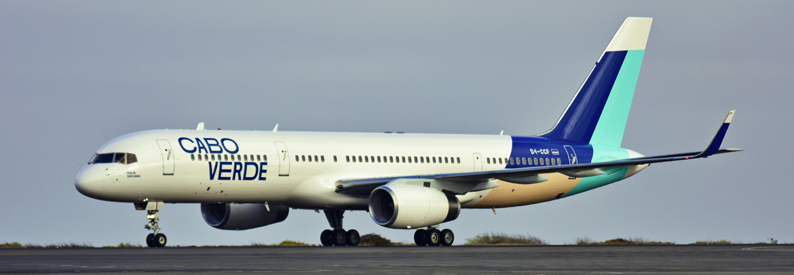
(363, 187)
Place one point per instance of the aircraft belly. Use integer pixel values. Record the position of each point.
(511, 194)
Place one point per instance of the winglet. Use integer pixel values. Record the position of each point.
(275, 129)
(200, 126)
(714, 146)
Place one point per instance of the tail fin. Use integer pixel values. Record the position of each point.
(599, 110)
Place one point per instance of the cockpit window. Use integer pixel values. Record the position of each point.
(119, 157)
(122, 158)
(131, 158)
(104, 158)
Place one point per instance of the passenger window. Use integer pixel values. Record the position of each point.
(535, 161)
(559, 162)
(500, 160)
(347, 158)
(360, 159)
(334, 158)
(547, 162)
(416, 160)
(488, 160)
(523, 161)
(245, 157)
(458, 159)
(391, 159)
(212, 156)
(322, 158)
(297, 158)
(257, 158)
(511, 161)
(264, 157)
(192, 157)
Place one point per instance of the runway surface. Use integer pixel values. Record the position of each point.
(680, 259)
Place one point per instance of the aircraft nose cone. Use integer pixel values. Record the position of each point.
(88, 182)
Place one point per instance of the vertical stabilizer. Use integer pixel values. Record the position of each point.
(598, 112)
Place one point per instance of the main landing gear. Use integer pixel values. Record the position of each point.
(155, 239)
(433, 237)
(338, 236)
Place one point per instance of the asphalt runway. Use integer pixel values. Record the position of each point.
(630, 259)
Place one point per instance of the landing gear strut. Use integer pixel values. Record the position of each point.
(338, 236)
(433, 237)
(155, 239)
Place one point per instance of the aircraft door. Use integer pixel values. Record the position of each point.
(283, 159)
(477, 161)
(571, 155)
(168, 156)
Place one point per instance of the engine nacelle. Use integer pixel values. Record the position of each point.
(411, 206)
(241, 216)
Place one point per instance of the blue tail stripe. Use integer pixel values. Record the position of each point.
(579, 121)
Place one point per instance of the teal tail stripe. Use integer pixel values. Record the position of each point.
(612, 122)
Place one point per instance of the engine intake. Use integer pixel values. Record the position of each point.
(411, 206)
(242, 216)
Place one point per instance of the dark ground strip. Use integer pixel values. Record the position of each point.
(646, 259)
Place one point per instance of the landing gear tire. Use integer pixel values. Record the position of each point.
(353, 238)
(150, 240)
(325, 238)
(447, 237)
(338, 237)
(160, 240)
(419, 237)
(433, 237)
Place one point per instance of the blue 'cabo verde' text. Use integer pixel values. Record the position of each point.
(213, 146)
(227, 170)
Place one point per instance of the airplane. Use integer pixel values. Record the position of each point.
(249, 179)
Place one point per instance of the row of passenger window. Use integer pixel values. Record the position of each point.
(401, 159)
(308, 158)
(219, 157)
(526, 161)
(123, 158)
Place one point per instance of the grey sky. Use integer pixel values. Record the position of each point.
(74, 75)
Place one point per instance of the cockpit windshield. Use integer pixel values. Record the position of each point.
(122, 158)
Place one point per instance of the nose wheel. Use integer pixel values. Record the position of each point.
(155, 239)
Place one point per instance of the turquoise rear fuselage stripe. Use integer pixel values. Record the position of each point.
(612, 123)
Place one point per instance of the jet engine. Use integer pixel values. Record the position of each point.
(411, 206)
(241, 216)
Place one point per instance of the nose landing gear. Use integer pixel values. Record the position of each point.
(155, 239)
